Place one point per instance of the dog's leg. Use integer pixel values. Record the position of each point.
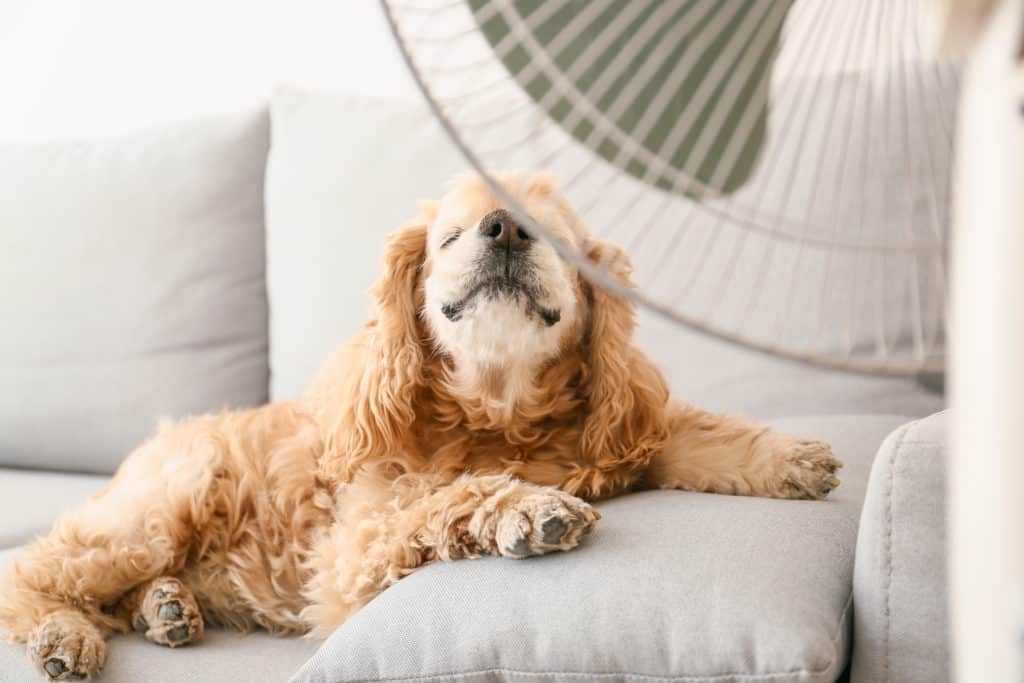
(497, 515)
(421, 523)
(165, 610)
(725, 454)
(61, 595)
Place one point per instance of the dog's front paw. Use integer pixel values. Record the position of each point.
(543, 522)
(168, 613)
(66, 646)
(809, 471)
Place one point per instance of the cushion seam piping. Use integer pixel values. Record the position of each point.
(888, 555)
(596, 674)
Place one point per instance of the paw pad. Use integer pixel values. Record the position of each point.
(57, 670)
(54, 667)
(168, 614)
(542, 522)
(177, 634)
(553, 529)
(171, 611)
(521, 548)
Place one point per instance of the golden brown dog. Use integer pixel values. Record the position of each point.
(492, 394)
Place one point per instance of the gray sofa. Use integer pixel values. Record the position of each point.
(166, 274)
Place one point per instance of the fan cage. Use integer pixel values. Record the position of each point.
(833, 252)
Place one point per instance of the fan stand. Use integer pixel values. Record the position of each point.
(986, 474)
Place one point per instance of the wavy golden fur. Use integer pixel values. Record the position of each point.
(492, 394)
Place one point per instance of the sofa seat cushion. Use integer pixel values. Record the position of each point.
(221, 656)
(671, 586)
(333, 194)
(32, 500)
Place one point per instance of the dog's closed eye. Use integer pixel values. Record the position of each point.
(450, 239)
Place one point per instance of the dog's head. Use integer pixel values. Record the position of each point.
(494, 295)
(467, 282)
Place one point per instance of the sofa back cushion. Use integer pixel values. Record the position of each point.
(346, 169)
(132, 280)
(344, 172)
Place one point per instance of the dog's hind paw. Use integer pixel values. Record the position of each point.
(168, 613)
(66, 646)
(543, 522)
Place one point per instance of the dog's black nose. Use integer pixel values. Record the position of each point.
(500, 226)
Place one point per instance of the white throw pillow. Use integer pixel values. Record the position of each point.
(132, 280)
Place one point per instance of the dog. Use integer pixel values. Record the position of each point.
(491, 398)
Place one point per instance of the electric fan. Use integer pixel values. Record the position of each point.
(777, 170)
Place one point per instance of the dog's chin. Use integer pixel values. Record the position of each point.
(502, 289)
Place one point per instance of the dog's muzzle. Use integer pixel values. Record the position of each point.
(504, 269)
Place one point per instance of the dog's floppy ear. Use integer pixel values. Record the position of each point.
(626, 395)
(395, 296)
(375, 422)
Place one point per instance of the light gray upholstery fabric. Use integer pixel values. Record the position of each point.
(220, 657)
(345, 170)
(901, 620)
(132, 272)
(31, 501)
(672, 586)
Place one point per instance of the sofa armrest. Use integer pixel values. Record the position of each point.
(901, 625)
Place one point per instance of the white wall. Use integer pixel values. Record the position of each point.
(86, 67)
